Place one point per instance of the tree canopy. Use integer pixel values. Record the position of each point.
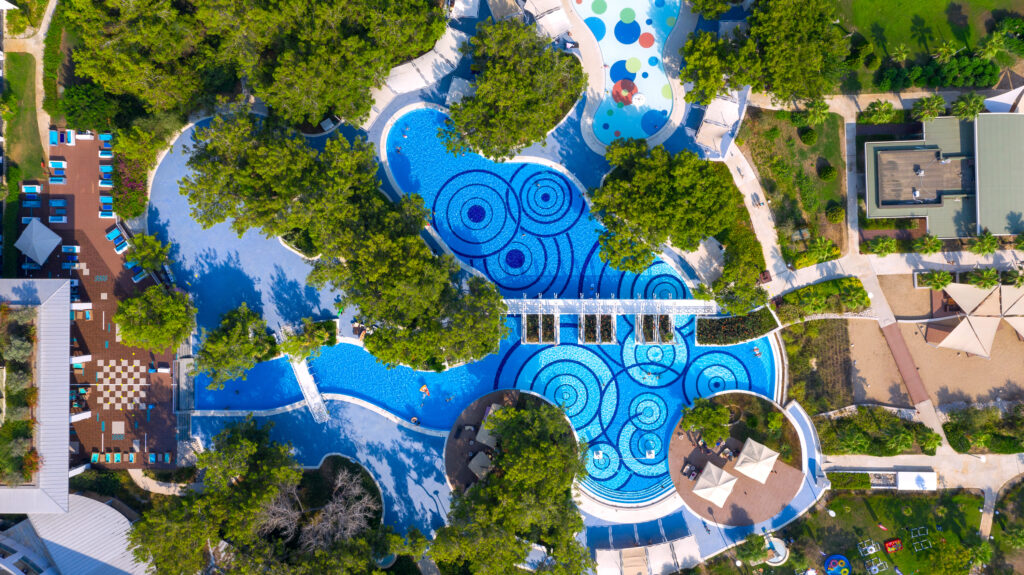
(710, 9)
(523, 90)
(155, 319)
(149, 252)
(239, 342)
(526, 498)
(420, 311)
(651, 197)
(711, 420)
(307, 342)
(717, 65)
(802, 52)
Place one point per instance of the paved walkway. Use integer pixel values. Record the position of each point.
(754, 198)
(161, 487)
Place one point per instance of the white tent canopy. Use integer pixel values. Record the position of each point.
(1012, 300)
(715, 484)
(974, 335)
(756, 461)
(5, 6)
(37, 241)
(1011, 101)
(554, 24)
(967, 296)
(1017, 323)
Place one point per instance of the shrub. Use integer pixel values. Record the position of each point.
(872, 61)
(871, 430)
(53, 58)
(846, 480)
(883, 246)
(730, 330)
(772, 133)
(808, 136)
(879, 112)
(835, 214)
(834, 296)
(827, 173)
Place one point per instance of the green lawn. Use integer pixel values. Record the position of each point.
(922, 24)
(23, 146)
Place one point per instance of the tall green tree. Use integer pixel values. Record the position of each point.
(984, 278)
(968, 105)
(155, 319)
(239, 342)
(149, 252)
(710, 9)
(307, 342)
(984, 245)
(526, 498)
(716, 65)
(149, 49)
(711, 420)
(883, 246)
(879, 112)
(927, 244)
(937, 280)
(522, 91)
(651, 197)
(928, 108)
(800, 48)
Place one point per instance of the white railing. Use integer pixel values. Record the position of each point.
(310, 392)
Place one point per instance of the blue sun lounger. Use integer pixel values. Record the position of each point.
(31, 204)
(114, 233)
(58, 203)
(139, 276)
(117, 457)
(71, 250)
(58, 219)
(30, 188)
(58, 164)
(131, 458)
(29, 266)
(58, 172)
(106, 168)
(54, 138)
(106, 183)
(152, 458)
(106, 457)
(95, 458)
(106, 214)
(54, 180)
(121, 248)
(28, 219)
(106, 199)
(106, 137)
(106, 154)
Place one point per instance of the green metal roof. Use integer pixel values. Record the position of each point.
(1000, 143)
(954, 137)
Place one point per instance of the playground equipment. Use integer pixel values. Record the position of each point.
(837, 565)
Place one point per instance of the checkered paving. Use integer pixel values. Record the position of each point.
(121, 384)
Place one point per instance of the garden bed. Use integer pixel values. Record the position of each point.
(819, 364)
(731, 330)
(18, 457)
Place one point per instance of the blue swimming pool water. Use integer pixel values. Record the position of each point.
(638, 92)
(526, 226)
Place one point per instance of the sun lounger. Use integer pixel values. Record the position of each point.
(106, 136)
(71, 250)
(117, 457)
(71, 257)
(106, 183)
(106, 214)
(29, 266)
(30, 188)
(28, 219)
(139, 276)
(106, 154)
(58, 219)
(107, 176)
(58, 172)
(31, 204)
(71, 137)
(60, 212)
(152, 458)
(106, 207)
(106, 168)
(131, 458)
(120, 249)
(54, 138)
(58, 164)
(167, 457)
(106, 199)
(106, 457)
(95, 458)
(58, 180)
(130, 265)
(114, 233)
(58, 202)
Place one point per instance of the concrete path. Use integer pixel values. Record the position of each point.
(34, 45)
(988, 473)
(161, 487)
(749, 185)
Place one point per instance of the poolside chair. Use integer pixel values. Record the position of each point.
(152, 458)
(58, 219)
(58, 172)
(30, 189)
(54, 139)
(106, 183)
(57, 180)
(95, 457)
(121, 248)
(106, 154)
(60, 212)
(58, 164)
(131, 458)
(31, 204)
(106, 457)
(167, 457)
(117, 457)
(139, 276)
(28, 219)
(106, 136)
(114, 233)
(58, 203)
(106, 168)
(106, 199)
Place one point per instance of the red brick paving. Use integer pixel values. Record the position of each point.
(103, 282)
(905, 363)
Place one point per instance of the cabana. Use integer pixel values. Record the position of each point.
(715, 484)
(480, 465)
(756, 461)
(37, 241)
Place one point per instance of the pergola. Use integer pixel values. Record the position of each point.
(983, 310)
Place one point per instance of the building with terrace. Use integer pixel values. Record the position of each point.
(963, 177)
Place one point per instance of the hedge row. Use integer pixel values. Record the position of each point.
(962, 71)
(730, 330)
(844, 480)
(53, 59)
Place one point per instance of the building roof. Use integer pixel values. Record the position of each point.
(37, 241)
(90, 539)
(715, 484)
(1000, 141)
(52, 300)
(756, 461)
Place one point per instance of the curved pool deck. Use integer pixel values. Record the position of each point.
(638, 92)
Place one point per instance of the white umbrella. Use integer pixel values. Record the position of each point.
(756, 461)
(715, 484)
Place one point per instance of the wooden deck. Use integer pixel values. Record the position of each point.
(103, 281)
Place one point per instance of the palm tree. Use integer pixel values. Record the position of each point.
(985, 278)
(928, 244)
(1019, 242)
(822, 250)
(928, 108)
(816, 112)
(1015, 278)
(991, 46)
(883, 246)
(946, 52)
(900, 53)
(984, 245)
(935, 280)
(968, 106)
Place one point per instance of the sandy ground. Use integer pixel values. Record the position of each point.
(873, 374)
(906, 302)
(951, 376)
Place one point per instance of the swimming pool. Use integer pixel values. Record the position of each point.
(526, 226)
(638, 91)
